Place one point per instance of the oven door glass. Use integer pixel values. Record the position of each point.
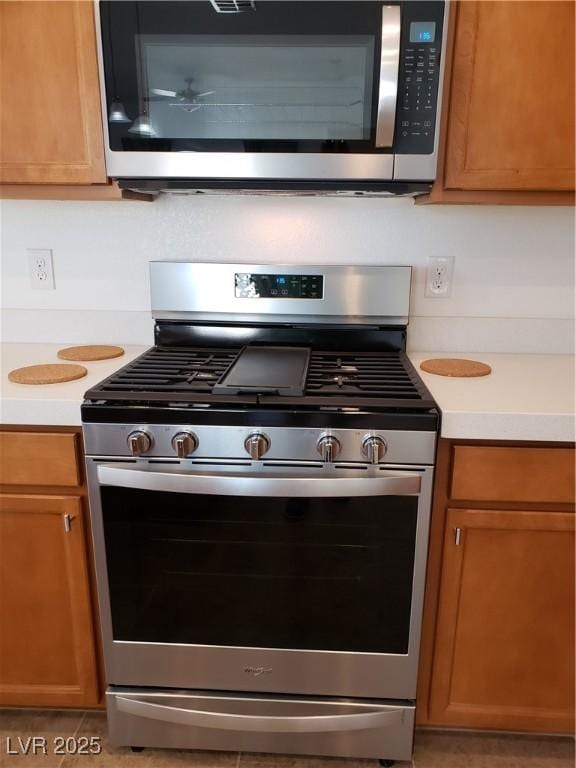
(297, 76)
(298, 573)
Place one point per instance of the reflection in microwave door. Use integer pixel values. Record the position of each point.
(245, 287)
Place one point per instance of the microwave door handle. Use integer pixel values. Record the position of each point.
(271, 724)
(386, 483)
(388, 86)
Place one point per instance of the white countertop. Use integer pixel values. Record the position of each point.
(50, 404)
(526, 397)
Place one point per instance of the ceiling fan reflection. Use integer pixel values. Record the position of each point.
(187, 97)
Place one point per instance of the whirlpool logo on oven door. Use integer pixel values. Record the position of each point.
(257, 671)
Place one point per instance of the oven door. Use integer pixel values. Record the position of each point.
(296, 580)
(283, 90)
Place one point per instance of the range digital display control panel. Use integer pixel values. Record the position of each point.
(257, 286)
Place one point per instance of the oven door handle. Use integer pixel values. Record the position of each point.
(388, 86)
(266, 723)
(386, 483)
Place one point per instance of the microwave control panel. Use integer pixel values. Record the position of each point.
(418, 77)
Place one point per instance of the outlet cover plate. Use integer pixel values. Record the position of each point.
(439, 277)
(41, 268)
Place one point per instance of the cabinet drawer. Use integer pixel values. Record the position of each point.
(485, 473)
(39, 458)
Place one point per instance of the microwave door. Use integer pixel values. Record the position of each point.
(293, 93)
(388, 84)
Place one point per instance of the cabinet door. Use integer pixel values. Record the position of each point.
(50, 121)
(511, 111)
(47, 653)
(504, 650)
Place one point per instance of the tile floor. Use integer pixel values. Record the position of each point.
(433, 750)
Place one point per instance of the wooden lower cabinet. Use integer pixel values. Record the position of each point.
(504, 651)
(47, 654)
(497, 648)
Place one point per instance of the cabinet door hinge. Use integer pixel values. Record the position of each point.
(457, 536)
(68, 522)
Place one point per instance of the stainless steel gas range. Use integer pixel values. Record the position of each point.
(260, 485)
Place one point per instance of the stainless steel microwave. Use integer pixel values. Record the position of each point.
(290, 95)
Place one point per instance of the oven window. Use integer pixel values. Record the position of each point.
(315, 574)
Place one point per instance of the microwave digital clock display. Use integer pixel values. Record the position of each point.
(258, 286)
(422, 31)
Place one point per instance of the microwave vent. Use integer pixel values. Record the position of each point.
(233, 6)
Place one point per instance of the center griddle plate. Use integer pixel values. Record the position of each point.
(267, 370)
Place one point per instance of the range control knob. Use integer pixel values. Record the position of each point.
(257, 444)
(374, 448)
(184, 443)
(139, 442)
(328, 447)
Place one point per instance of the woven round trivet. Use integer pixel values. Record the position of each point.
(90, 352)
(450, 366)
(51, 373)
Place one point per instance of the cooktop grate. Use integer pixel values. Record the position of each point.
(380, 375)
(172, 370)
(188, 375)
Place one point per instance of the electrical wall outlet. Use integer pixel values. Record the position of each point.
(439, 277)
(41, 268)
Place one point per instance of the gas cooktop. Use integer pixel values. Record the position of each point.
(191, 375)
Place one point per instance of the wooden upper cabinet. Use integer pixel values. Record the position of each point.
(510, 120)
(50, 116)
(498, 627)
